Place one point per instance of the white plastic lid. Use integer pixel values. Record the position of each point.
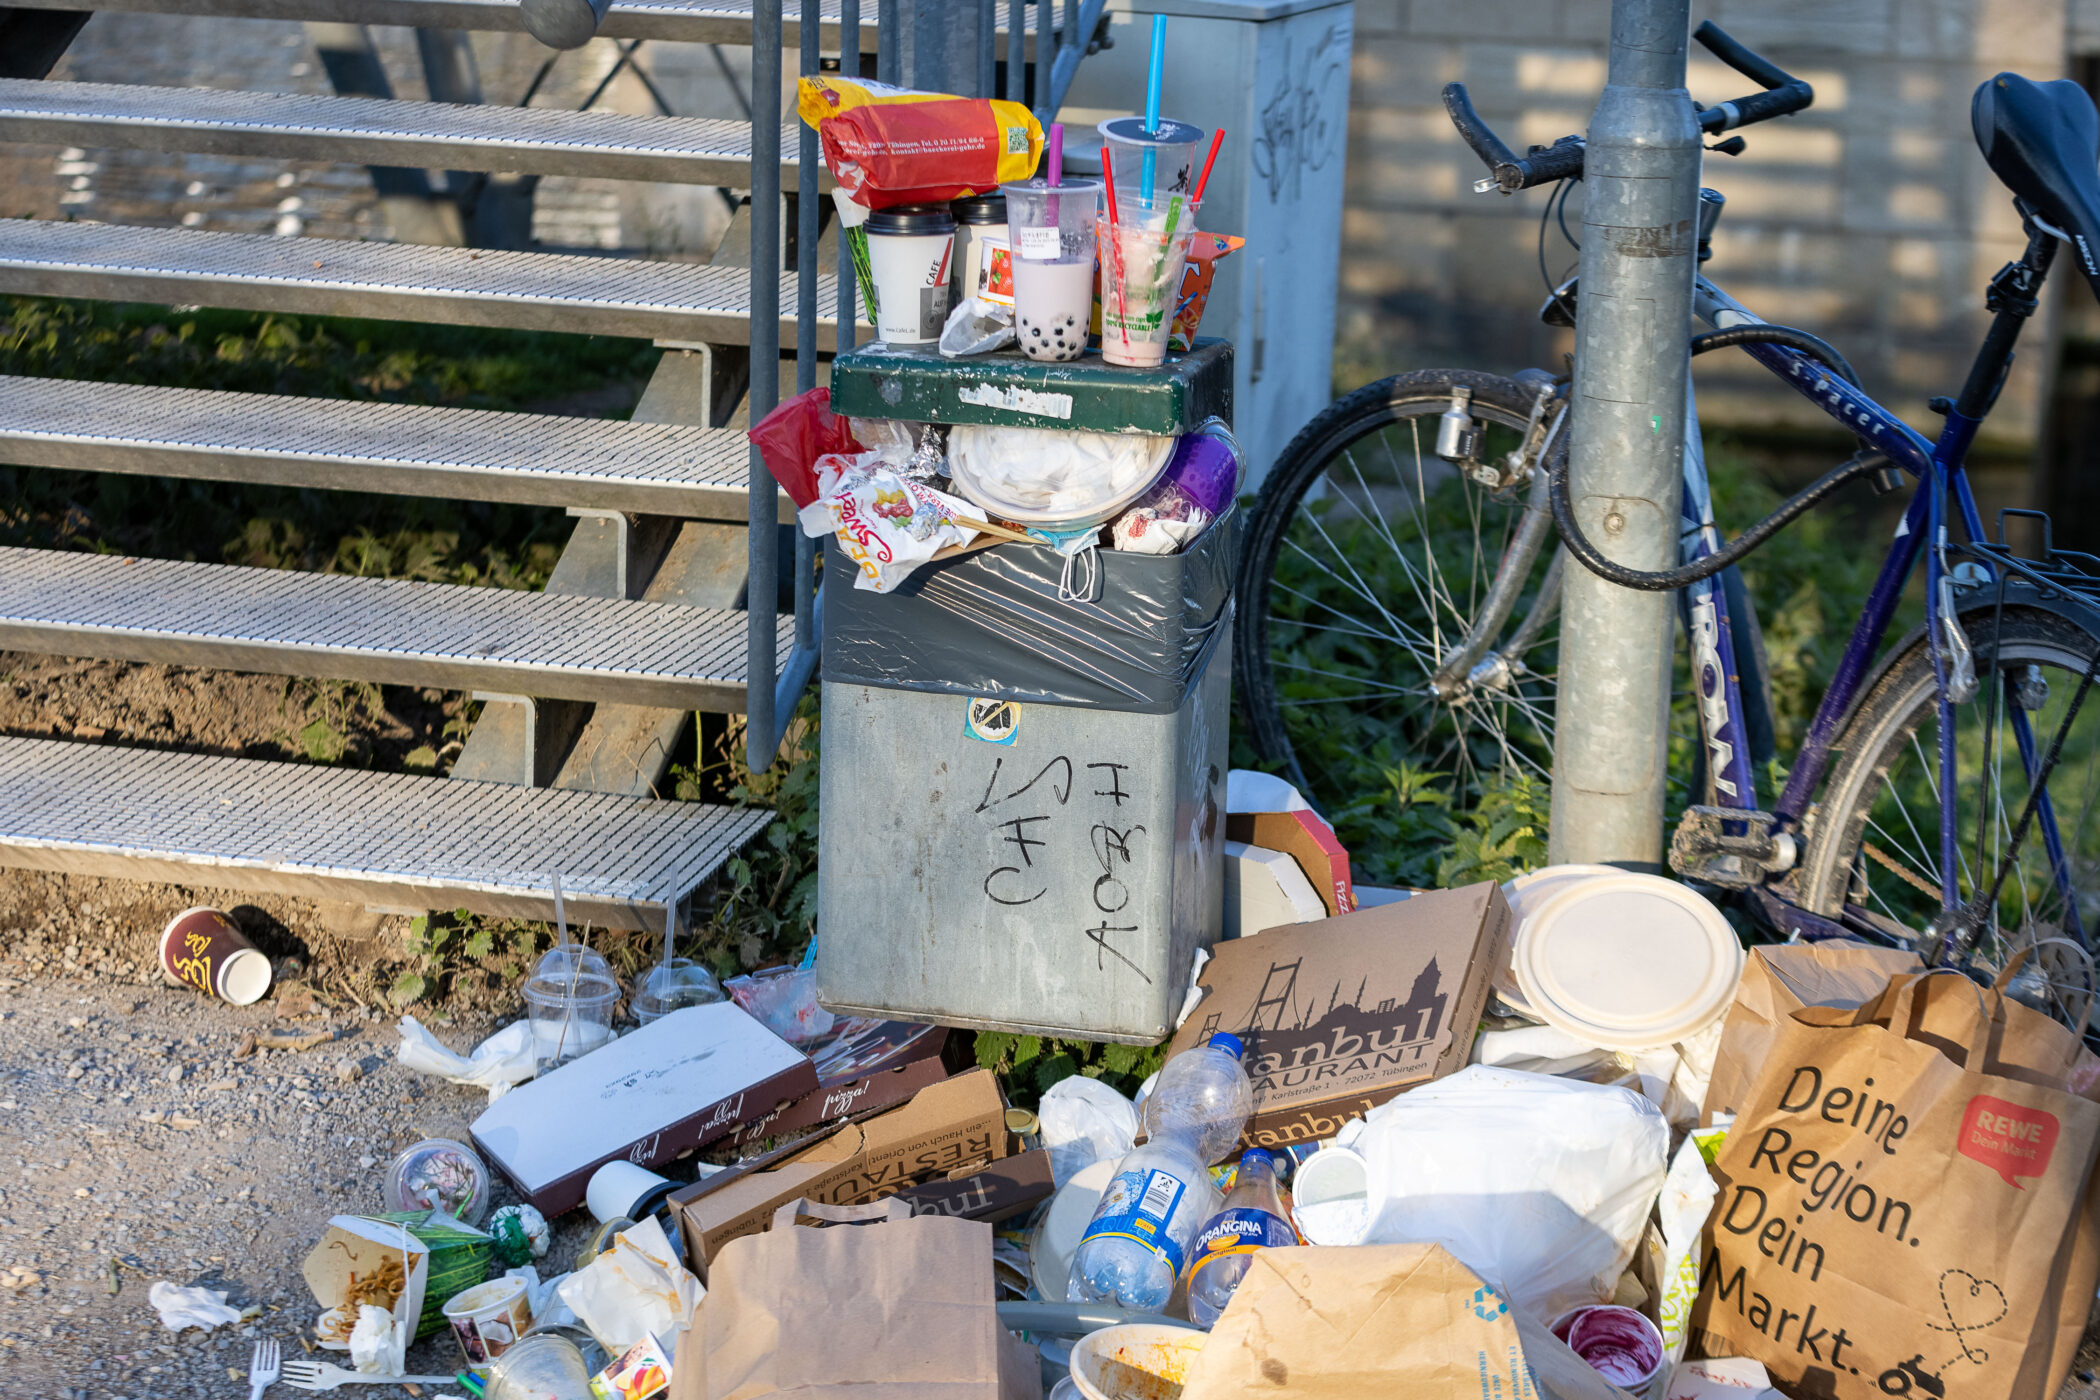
(1627, 961)
(1527, 894)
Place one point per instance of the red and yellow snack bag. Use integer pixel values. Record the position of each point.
(887, 145)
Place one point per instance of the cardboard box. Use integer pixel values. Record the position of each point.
(1309, 841)
(958, 1123)
(994, 1192)
(1340, 1015)
(692, 1077)
(863, 1066)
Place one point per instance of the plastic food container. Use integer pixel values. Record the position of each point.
(1137, 1361)
(541, 1367)
(440, 1174)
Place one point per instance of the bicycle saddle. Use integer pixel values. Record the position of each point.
(2042, 141)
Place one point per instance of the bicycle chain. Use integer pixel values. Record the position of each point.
(1900, 871)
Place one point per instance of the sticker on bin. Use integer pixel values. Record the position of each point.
(1015, 399)
(993, 721)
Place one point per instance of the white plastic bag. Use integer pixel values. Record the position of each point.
(977, 328)
(504, 1059)
(785, 999)
(633, 1289)
(1542, 1185)
(1083, 1122)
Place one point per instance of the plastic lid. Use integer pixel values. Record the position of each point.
(980, 209)
(1223, 1040)
(1170, 132)
(912, 220)
(1628, 961)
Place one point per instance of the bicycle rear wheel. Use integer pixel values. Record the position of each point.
(1366, 565)
(1874, 843)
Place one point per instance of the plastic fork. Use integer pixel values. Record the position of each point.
(263, 1367)
(301, 1374)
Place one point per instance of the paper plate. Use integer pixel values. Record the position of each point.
(1526, 894)
(1627, 961)
(1063, 1225)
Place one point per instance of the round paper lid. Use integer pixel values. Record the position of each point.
(1627, 961)
(1527, 894)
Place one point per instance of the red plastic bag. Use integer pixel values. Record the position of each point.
(794, 435)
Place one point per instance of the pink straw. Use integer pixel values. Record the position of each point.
(1057, 154)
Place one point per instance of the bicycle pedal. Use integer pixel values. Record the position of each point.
(1704, 847)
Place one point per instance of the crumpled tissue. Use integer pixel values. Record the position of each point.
(190, 1307)
(503, 1060)
(378, 1344)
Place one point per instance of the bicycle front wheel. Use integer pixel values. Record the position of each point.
(1874, 840)
(1366, 566)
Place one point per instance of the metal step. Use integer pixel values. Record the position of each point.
(394, 281)
(396, 449)
(369, 131)
(390, 839)
(393, 631)
(689, 21)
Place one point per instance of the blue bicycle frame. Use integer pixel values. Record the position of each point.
(1938, 469)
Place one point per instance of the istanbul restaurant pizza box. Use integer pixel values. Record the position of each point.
(1341, 1014)
(956, 1124)
(677, 1083)
(864, 1065)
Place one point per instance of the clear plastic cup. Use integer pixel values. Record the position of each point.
(1050, 229)
(541, 1367)
(673, 986)
(571, 1014)
(1173, 148)
(1140, 281)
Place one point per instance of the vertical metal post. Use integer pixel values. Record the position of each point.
(889, 42)
(1639, 222)
(987, 48)
(848, 292)
(1016, 51)
(762, 731)
(806, 212)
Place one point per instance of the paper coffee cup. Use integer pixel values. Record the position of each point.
(910, 248)
(1330, 1197)
(487, 1319)
(203, 948)
(620, 1189)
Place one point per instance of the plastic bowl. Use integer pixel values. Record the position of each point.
(1100, 513)
(440, 1174)
(1137, 1361)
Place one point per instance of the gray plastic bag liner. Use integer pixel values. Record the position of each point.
(991, 624)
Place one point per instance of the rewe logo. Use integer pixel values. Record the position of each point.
(2011, 1140)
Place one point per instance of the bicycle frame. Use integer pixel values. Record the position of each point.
(1938, 470)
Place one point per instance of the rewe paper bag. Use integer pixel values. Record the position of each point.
(1779, 980)
(1374, 1322)
(1905, 1204)
(881, 1305)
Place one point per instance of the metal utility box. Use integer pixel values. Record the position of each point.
(1023, 789)
(1275, 75)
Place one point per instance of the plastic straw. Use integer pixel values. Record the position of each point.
(1150, 166)
(1196, 195)
(1115, 248)
(1057, 153)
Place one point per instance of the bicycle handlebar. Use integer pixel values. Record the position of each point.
(1508, 172)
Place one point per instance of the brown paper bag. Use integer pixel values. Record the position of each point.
(1906, 1202)
(1377, 1321)
(1779, 980)
(882, 1305)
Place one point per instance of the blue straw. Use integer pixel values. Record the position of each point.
(1150, 166)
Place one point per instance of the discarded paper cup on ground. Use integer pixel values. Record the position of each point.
(488, 1319)
(205, 949)
(910, 252)
(1620, 1344)
(1140, 279)
(571, 1015)
(623, 1190)
(546, 1367)
(1331, 1197)
(1136, 1361)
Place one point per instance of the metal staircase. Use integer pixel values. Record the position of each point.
(664, 599)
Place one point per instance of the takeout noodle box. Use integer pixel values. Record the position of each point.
(1341, 1014)
(436, 1261)
(677, 1083)
(958, 1123)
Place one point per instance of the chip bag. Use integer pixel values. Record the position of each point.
(1205, 251)
(888, 145)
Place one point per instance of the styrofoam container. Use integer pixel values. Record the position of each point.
(1627, 961)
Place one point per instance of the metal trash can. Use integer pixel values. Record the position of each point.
(1023, 792)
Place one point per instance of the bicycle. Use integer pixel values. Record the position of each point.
(1397, 588)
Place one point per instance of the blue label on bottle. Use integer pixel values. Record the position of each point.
(1137, 1206)
(1241, 1230)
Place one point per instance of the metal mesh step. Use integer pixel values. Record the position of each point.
(532, 140)
(401, 449)
(392, 631)
(379, 838)
(394, 281)
(689, 21)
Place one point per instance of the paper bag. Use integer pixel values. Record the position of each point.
(1376, 1321)
(1905, 1202)
(1779, 980)
(882, 1305)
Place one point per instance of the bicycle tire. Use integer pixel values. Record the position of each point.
(1401, 399)
(1885, 770)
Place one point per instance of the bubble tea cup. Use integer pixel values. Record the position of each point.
(1051, 232)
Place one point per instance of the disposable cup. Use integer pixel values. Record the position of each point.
(673, 986)
(1136, 1361)
(1330, 1197)
(621, 1190)
(1174, 147)
(1050, 229)
(1140, 278)
(205, 949)
(1620, 1344)
(546, 1367)
(910, 251)
(975, 218)
(571, 1016)
(488, 1319)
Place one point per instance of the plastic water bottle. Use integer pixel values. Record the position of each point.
(1253, 1218)
(1161, 1194)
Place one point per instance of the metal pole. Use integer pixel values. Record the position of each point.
(762, 725)
(1626, 444)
